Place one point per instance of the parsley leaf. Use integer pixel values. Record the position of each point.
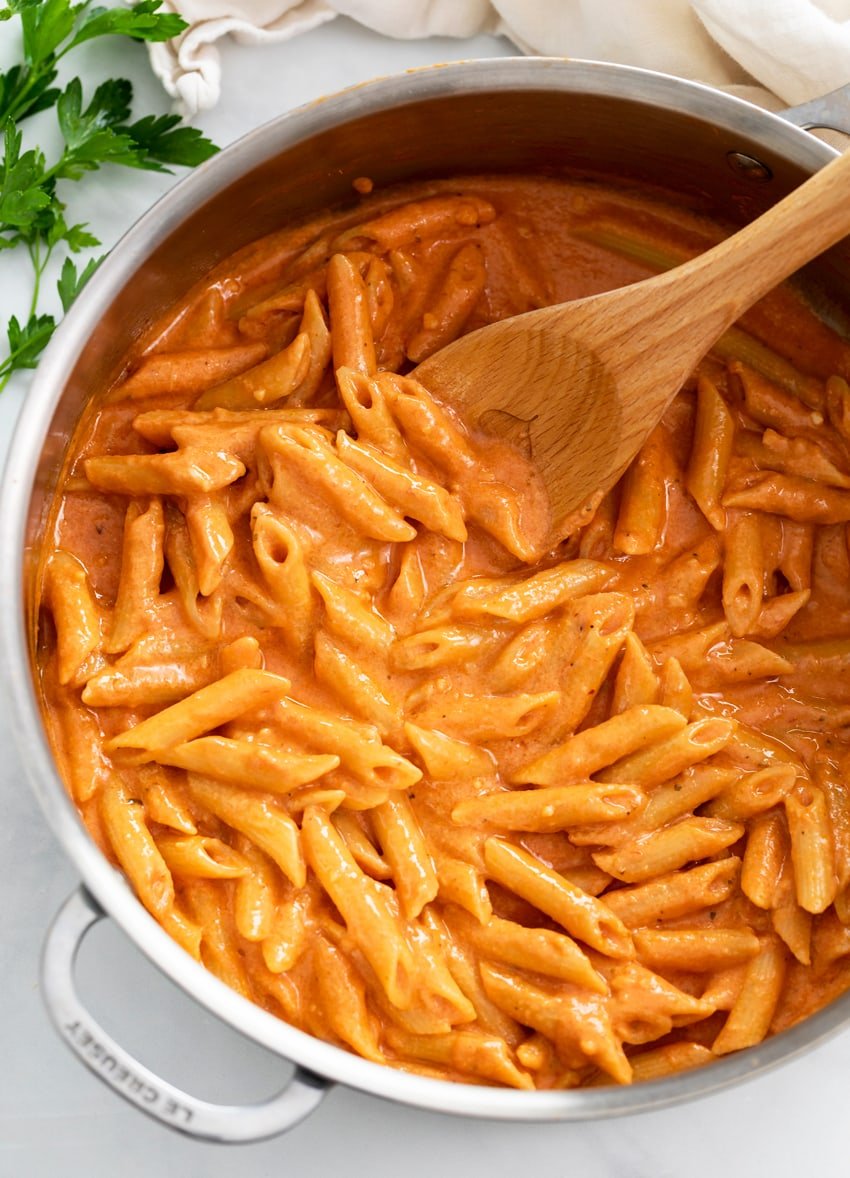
(45, 27)
(71, 283)
(22, 196)
(161, 139)
(141, 20)
(89, 138)
(26, 343)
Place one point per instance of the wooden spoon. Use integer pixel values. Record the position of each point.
(592, 378)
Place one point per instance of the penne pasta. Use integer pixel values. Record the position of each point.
(711, 449)
(259, 817)
(474, 792)
(581, 915)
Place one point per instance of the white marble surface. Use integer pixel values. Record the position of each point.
(55, 1118)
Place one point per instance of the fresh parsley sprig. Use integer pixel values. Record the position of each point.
(94, 133)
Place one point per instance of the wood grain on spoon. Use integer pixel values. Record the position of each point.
(592, 378)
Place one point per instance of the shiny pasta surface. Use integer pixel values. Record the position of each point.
(382, 755)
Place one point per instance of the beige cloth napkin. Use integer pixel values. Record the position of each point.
(792, 49)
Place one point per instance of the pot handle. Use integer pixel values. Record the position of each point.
(830, 111)
(131, 1079)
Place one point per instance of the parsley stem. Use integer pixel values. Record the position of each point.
(37, 265)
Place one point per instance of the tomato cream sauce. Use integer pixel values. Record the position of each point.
(210, 600)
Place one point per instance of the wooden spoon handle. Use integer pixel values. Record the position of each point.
(737, 272)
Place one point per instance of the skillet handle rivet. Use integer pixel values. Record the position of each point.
(748, 167)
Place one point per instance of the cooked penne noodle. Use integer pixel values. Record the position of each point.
(812, 846)
(359, 692)
(777, 612)
(484, 718)
(406, 852)
(584, 917)
(189, 371)
(409, 492)
(831, 942)
(211, 537)
(280, 554)
(343, 997)
(682, 583)
(142, 562)
(181, 472)
(240, 761)
(358, 746)
(794, 456)
(462, 884)
(470, 1052)
(427, 427)
(540, 594)
(753, 793)
(75, 613)
(314, 459)
(593, 749)
(645, 1006)
(692, 647)
(380, 296)
(669, 1060)
(264, 384)
(665, 804)
(711, 449)
(540, 950)
(123, 817)
(796, 554)
(561, 1018)
(597, 536)
(203, 710)
(802, 500)
(675, 689)
(348, 616)
(256, 894)
(259, 817)
(766, 851)
(219, 947)
(286, 944)
(790, 922)
(832, 782)
(553, 808)
(364, 851)
(204, 614)
(420, 219)
(235, 431)
(367, 907)
(351, 324)
(442, 646)
(695, 950)
(524, 655)
(165, 800)
(445, 318)
(743, 572)
(447, 759)
(367, 401)
(757, 364)
(687, 841)
(636, 683)
(602, 622)
(749, 1019)
(681, 893)
(643, 508)
(666, 758)
(199, 855)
